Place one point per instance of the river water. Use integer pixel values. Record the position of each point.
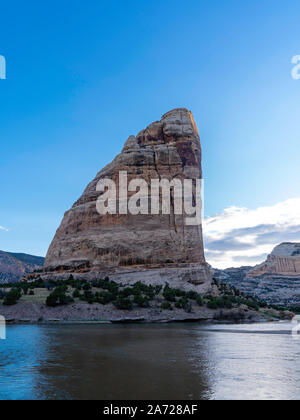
(178, 361)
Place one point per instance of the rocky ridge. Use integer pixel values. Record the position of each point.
(14, 266)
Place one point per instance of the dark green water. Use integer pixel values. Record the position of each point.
(182, 361)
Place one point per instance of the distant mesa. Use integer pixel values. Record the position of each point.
(161, 247)
(284, 260)
(276, 281)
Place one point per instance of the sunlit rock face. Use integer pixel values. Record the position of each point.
(118, 243)
(284, 260)
(276, 281)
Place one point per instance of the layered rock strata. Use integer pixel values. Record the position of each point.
(276, 281)
(284, 260)
(150, 247)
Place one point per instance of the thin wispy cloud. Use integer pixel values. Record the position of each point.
(240, 236)
(3, 228)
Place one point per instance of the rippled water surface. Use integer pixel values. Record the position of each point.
(182, 361)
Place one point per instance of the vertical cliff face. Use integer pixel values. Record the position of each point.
(166, 149)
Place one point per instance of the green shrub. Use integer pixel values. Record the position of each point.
(76, 293)
(52, 300)
(295, 309)
(150, 292)
(252, 305)
(89, 296)
(169, 294)
(70, 281)
(158, 289)
(224, 302)
(178, 292)
(58, 297)
(167, 306)
(200, 301)
(12, 297)
(141, 301)
(128, 291)
(25, 288)
(104, 297)
(65, 299)
(123, 303)
(102, 284)
(181, 303)
(139, 288)
(113, 287)
(192, 295)
(212, 304)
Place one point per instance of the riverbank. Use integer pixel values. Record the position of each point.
(24, 312)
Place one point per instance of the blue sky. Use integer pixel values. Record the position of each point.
(83, 76)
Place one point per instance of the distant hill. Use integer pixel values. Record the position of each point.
(14, 266)
(276, 280)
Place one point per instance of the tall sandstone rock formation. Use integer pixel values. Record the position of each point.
(151, 248)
